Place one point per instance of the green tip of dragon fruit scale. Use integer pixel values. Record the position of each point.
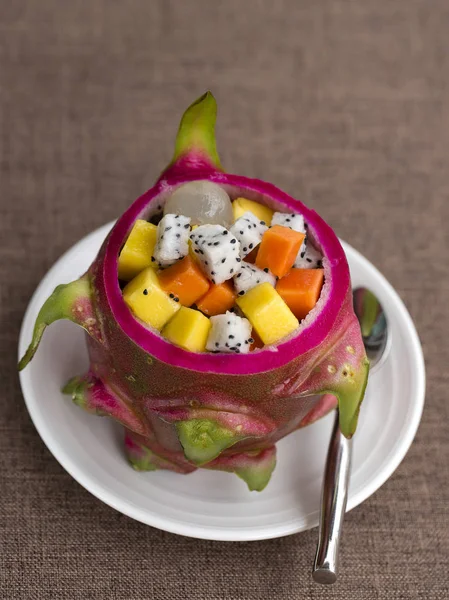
(196, 132)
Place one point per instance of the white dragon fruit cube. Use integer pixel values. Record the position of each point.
(229, 333)
(249, 276)
(218, 252)
(172, 242)
(291, 220)
(248, 229)
(309, 258)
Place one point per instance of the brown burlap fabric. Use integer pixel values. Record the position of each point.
(344, 104)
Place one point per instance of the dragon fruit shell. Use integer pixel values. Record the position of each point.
(220, 411)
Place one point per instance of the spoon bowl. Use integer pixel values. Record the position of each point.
(373, 325)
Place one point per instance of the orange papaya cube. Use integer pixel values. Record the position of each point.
(278, 249)
(184, 280)
(300, 290)
(218, 299)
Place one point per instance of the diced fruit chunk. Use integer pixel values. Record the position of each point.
(185, 280)
(249, 230)
(137, 251)
(148, 301)
(301, 289)
(249, 276)
(202, 201)
(218, 299)
(268, 313)
(308, 258)
(172, 242)
(278, 249)
(291, 220)
(189, 329)
(217, 251)
(295, 222)
(241, 205)
(229, 333)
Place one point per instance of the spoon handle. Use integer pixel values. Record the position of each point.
(333, 504)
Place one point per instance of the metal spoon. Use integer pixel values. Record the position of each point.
(334, 492)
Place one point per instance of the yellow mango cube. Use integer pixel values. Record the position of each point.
(189, 329)
(241, 205)
(148, 301)
(137, 251)
(268, 313)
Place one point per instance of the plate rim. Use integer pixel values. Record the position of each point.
(215, 532)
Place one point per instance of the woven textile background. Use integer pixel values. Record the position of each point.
(343, 104)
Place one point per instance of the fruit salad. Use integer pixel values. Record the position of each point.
(218, 317)
(190, 280)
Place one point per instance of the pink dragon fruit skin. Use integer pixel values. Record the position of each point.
(183, 410)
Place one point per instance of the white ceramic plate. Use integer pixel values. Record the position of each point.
(208, 504)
